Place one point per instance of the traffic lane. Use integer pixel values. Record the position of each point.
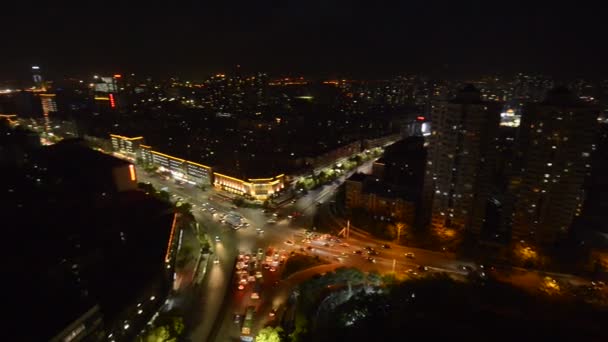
(241, 299)
(217, 278)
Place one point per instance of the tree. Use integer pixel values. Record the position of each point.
(168, 329)
(390, 232)
(238, 201)
(163, 195)
(269, 334)
(374, 278)
(147, 188)
(184, 208)
(349, 274)
(400, 230)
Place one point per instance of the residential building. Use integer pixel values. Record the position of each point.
(553, 158)
(461, 160)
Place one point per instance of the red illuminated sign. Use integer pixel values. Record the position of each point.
(420, 118)
(112, 103)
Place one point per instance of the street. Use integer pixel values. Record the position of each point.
(219, 298)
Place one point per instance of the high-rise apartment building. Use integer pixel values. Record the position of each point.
(552, 160)
(461, 158)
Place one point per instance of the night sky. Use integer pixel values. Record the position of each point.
(324, 38)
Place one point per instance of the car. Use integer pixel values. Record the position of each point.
(272, 312)
(373, 252)
(216, 260)
(422, 268)
(466, 268)
(217, 239)
(358, 252)
(372, 260)
(271, 221)
(289, 217)
(273, 269)
(289, 242)
(385, 246)
(409, 255)
(261, 231)
(310, 248)
(344, 244)
(368, 248)
(258, 274)
(237, 319)
(241, 287)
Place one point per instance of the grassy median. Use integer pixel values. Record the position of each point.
(298, 262)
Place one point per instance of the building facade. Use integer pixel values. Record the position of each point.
(196, 173)
(257, 188)
(369, 193)
(461, 157)
(127, 146)
(553, 158)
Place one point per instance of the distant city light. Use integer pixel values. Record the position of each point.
(510, 119)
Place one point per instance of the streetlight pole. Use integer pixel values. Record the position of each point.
(347, 229)
(399, 232)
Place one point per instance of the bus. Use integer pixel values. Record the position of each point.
(248, 321)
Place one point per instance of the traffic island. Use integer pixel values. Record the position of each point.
(299, 262)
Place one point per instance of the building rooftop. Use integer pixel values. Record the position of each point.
(358, 177)
(378, 187)
(70, 250)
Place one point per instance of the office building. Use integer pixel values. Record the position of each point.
(37, 77)
(126, 146)
(49, 105)
(460, 161)
(554, 147)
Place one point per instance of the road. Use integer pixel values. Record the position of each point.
(218, 307)
(216, 283)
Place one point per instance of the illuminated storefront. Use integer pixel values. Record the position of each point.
(126, 146)
(195, 173)
(258, 188)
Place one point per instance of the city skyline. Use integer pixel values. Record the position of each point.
(305, 171)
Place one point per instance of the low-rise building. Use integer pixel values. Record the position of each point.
(257, 188)
(380, 198)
